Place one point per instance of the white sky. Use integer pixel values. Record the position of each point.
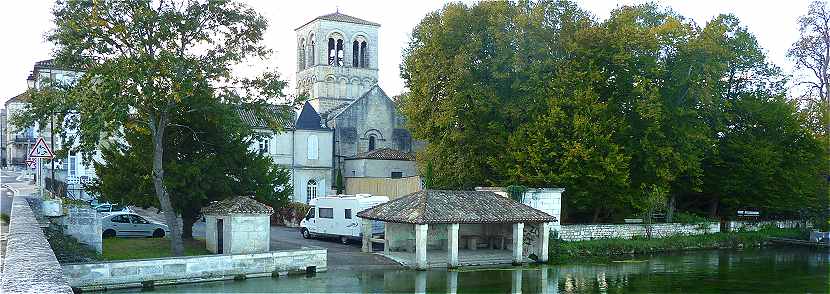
(24, 24)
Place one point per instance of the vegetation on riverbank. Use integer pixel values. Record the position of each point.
(563, 251)
(67, 249)
(142, 248)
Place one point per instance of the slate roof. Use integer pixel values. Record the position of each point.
(337, 16)
(283, 114)
(309, 119)
(238, 204)
(385, 154)
(22, 97)
(462, 207)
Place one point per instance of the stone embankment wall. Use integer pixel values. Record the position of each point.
(758, 225)
(30, 265)
(161, 271)
(84, 224)
(628, 231)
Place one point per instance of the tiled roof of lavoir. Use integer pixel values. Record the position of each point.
(337, 16)
(282, 114)
(238, 204)
(385, 154)
(455, 207)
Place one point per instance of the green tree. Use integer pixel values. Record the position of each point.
(474, 75)
(811, 54)
(626, 113)
(142, 59)
(208, 160)
(339, 182)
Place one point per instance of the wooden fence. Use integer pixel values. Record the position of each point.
(393, 188)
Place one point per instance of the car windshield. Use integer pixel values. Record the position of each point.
(310, 213)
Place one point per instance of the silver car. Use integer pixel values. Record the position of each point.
(127, 224)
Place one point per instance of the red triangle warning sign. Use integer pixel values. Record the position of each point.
(41, 150)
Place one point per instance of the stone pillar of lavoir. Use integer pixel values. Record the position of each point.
(421, 246)
(518, 235)
(452, 245)
(366, 228)
(452, 282)
(516, 285)
(542, 247)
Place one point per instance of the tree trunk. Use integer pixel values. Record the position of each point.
(190, 215)
(187, 226)
(176, 244)
(596, 215)
(713, 207)
(670, 209)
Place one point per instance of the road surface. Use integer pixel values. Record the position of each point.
(8, 178)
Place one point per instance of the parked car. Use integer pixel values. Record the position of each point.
(127, 224)
(336, 216)
(109, 207)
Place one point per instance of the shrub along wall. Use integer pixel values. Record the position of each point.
(561, 251)
(290, 215)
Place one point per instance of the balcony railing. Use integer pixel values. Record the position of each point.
(24, 139)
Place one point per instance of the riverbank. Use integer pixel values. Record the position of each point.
(564, 251)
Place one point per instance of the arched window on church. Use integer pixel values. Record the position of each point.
(355, 54)
(364, 56)
(332, 52)
(371, 142)
(311, 190)
(302, 54)
(311, 51)
(340, 52)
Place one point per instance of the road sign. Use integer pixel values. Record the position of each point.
(31, 163)
(41, 150)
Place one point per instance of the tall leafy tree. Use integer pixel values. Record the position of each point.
(811, 53)
(142, 59)
(474, 73)
(209, 160)
(640, 112)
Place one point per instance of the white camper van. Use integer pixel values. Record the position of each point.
(336, 216)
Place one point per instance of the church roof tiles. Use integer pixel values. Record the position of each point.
(385, 154)
(337, 16)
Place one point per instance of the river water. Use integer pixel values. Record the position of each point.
(769, 270)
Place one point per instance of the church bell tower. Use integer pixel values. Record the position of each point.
(337, 60)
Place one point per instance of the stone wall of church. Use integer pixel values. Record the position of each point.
(373, 116)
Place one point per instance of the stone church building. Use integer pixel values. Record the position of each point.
(337, 69)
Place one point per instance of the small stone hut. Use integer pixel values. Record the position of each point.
(489, 228)
(238, 225)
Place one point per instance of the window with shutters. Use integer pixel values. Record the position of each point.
(312, 147)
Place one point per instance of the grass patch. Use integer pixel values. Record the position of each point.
(142, 248)
(563, 251)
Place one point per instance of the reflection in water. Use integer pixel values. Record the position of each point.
(772, 270)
